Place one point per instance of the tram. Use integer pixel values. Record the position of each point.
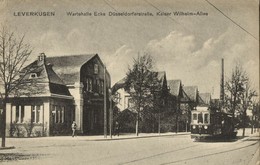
(206, 123)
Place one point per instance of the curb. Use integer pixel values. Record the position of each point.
(135, 137)
(7, 148)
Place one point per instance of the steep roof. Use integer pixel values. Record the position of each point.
(118, 85)
(44, 83)
(175, 87)
(53, 77)
(68, 67)
(204, 98)
(160, 75)
(190, 93)
(121, 83)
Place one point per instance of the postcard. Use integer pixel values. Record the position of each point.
(129, 82)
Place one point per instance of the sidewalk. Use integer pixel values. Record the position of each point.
(122, 136)
(248, 132)
(59, 140)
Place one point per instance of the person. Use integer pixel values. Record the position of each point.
(116, 129)
(73, 127)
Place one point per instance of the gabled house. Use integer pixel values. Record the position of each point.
(122, 96)
(124, 99)
(162, 94)
(57, 91)
(86, 78)
(176, 93)
(149, 115)
(174, 103)
(41, 105)
(190, 96)
(204, 99)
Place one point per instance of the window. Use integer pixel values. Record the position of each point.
(19, 114)
(36, 110)
(90, 85)
(62, 114)
(130, 102)
(118, 98)
(200, 118)
(33, 75)
(98, 86)
(95, 68)
(59, 114)
(206, 118)
(101, 87)
(86, 84)
(194, 116)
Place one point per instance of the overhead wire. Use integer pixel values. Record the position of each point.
(183, 26)
(232, 20)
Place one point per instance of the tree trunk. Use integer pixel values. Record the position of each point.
(159, 124)
(3, 123)
(244, 122)
(252, 125)
(234, 108)
(243, 131)
(137, 124)
(177, 125)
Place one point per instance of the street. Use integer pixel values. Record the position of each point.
(170, 149)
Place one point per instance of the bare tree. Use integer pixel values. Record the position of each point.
(234, 89)
(246, 102)
(255, 117)
(239, 95)
(14, 53)
(140, 84)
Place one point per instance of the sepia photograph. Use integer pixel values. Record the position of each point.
(118, 82)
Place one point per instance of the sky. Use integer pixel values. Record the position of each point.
(188, 47)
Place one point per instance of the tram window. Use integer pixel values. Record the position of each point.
(200, 118)
(206, 118)
(194, 116)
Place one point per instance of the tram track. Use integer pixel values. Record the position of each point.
(159, 154)
(195, 157)
(211, 154)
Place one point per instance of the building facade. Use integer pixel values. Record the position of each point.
(57, 91)
(150, 115)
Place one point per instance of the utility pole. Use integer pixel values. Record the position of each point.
(159, 122)
(110, 113)
(222, 86)
(105, 104)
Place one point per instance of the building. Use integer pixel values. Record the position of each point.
(84, 77)
(122, 96)
(124, 99)
(176, 93)
(204, 99)
(57, 91)
(150, 115)
(190, 96)
(174, 103)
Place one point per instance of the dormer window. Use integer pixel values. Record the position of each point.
(33, 75)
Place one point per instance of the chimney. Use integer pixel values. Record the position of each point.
(41, 59)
